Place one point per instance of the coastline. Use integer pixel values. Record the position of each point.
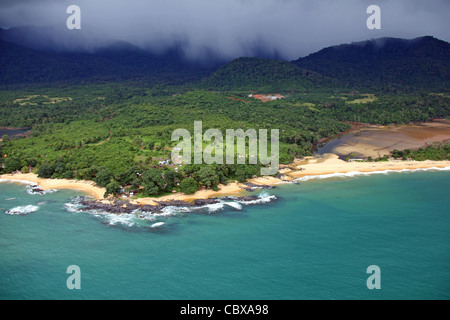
(302, 169)
(370, 140)
(49, 184)
(330, 164)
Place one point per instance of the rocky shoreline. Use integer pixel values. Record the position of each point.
(34, 189)
(127, 207)
(252, 187)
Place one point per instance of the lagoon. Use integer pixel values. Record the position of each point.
(10, 132)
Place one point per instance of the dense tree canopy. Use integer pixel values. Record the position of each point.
(119, 134)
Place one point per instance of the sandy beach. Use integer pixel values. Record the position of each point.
(47, 184)
(97, 192)
(305, 167)
(224, 190)
(331, 164)
(373, 140)
(309, 166)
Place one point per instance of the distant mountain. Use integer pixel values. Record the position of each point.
(55, 39)
(385, 63)
(24, 65)
(258, 73)
(35, 55)
(118, 61)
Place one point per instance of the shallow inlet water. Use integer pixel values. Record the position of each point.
(315, 242)
(377, 141)
(12, 132)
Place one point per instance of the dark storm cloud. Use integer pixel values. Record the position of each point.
(234, 27)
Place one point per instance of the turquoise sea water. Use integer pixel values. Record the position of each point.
(315, 242)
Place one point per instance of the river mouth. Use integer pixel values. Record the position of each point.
(377, 141)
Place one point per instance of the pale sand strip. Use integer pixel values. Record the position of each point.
(331, 164)
(47, 184)
(310, 166)
(230, 189)
(97, 192)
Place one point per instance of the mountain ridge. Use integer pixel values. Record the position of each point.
(252, 73)
(385, 63)
(420, 62)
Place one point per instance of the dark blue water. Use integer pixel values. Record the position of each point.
(315, 242)
(12, 132)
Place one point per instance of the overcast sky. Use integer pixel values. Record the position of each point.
(231, 27)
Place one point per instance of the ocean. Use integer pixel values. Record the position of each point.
(315, 241)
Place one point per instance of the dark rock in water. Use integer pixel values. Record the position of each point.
(202, 202)
(251, 186)
(281, 176)
(262, 186)
(248, 198)
(175, 203)
(115, 207)
(149, 208)
(34, 189)
(243, 198)
(121, 206)
(132, 207)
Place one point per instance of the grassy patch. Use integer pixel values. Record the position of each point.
(36, 99)
(366, 98)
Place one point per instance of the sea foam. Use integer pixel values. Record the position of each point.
(22, 210)
(264, 197)
(18, 181)
(114, 219)
(33, 189)
(359, 173)
(158, 224)
(154, 218)
(235, 205)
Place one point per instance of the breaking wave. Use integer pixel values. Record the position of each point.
(72, 207)
(124, 219)
(153, 219)
(17, 181)
(156, 225)
(235, 205)
(22, 210)
(34, 189)
(75, 206)
(359, 173)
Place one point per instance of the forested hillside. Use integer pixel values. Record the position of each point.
(120, 61)
(265, 74)
(383, 65)
(109, 116)
(386, 64)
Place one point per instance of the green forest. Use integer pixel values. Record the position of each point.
(435, 151)
(109, 116)
(119, 134)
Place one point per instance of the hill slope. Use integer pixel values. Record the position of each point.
(263, 74)
(24, 65)
(119, 61)
(385, 63)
